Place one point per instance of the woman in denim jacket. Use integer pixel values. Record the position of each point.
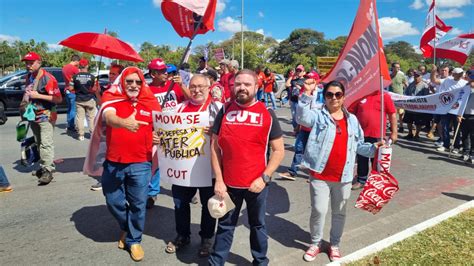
(330, 154)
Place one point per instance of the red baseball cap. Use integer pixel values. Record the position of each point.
(300, 67)
(312, 75)
(83, 62)
(31, 56)
(157, 64)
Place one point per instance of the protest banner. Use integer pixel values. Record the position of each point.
(184, 151)
(325, 63)
(219, 54)
(453, 102)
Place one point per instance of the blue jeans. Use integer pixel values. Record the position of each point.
(259, 94)
(300, 145)
(256, 206)
(154, 186)
(125, 187)
(182, 197)
(293, 106)
(272, 98)
(3, 178)
(445, 123)
(71, 110)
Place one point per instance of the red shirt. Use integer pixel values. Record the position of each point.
(125, 146)
(69, 71)
(243, 138)
(176, 95)
(268, 83)
(367, 112)
(261, 77)
(337, 158)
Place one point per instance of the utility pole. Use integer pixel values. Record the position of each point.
(242, 37)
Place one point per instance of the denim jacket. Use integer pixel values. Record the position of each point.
(321, 138)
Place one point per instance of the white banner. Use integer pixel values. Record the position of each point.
(453, 102)
(184, 152)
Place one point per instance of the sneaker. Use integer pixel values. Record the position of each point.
(334, 253)
(205, 248)
(81, 138)
(466, 157)
(455, 151)
(472, 159)
(45, 178)
(150, 202)
(357, 186)
(97, 186)
(287, 176)
(311, 253)
(442, 148)
(438, 143)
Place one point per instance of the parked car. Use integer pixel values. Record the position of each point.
(12, 88)
(282, 92)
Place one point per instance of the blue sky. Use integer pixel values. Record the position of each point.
(137, 21)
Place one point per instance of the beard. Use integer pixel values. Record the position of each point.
(243, 97)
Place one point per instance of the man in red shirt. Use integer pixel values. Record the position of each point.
(224, 79)
(42, 93)
(127, 112)
(69, 71)
(242, 132)
(367, 112)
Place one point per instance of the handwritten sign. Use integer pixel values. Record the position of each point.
(184, 151)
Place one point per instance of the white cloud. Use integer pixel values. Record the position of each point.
(229, 24)
(450, 13)
(261, 31)
(392, 28)
(157, 3)
(280, 40)
(417, 4)
(260, 14)
(8, 38)
(450, 3)
(54, 46)
(455, 31)
(220, 7)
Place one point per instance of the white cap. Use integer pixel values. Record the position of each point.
(458, 70)
(218, 208)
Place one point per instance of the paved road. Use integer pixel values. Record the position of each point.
(66, 223)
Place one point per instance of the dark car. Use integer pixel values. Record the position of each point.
(12, 88)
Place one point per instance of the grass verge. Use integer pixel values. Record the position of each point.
(449, 242)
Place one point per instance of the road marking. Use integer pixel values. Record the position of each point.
(384, 243)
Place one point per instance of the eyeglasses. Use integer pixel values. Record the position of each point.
(330, 95)
(200, 87)
(130, 82)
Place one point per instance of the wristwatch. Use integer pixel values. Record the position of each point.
(266, 178)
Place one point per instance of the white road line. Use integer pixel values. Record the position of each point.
(384, 243)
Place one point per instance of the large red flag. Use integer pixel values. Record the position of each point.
(432, 31)
(184, 15)
(362, 60)
(457, 49)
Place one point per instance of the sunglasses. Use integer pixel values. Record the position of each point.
(330, 95)
(130, 82)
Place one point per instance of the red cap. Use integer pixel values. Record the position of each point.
(157, 64)
(83, 62)
(31, 56)
(312, 75)
(300, 67)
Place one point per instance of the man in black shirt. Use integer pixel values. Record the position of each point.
(83, 83)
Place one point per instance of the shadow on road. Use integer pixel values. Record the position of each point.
(96, 223)
(458, 196)
(70, 165)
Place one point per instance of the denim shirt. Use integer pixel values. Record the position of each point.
(321, 138)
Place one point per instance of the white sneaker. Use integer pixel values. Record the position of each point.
(438, 143)
(81, 138)
(442, 148)
(466, 157)
(455, 151)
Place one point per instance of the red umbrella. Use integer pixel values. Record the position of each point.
(103, 45)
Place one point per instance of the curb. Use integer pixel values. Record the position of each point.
(384, 243)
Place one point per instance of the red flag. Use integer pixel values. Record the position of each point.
(184, 15)
(457, 49)
(362, 60)
(432, 31)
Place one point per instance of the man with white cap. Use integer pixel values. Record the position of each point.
(450, 84)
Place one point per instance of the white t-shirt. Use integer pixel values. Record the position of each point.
(451, 84)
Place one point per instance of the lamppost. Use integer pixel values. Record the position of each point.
(242, 37)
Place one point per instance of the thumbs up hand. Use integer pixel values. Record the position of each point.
(132, 124)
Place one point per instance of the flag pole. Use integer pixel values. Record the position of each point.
(434, 40)
(183, 59)
(382, 114)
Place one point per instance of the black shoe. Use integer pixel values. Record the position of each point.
(401, 129)
(45, 178)
(150, 202)
(409, 136)
(38, 173)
